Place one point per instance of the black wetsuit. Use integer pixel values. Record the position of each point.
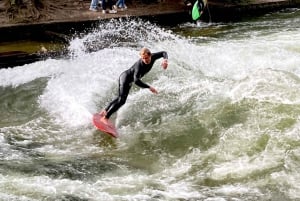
(133, 74)
(200, 5)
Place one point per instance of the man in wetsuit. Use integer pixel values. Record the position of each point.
(134, 75)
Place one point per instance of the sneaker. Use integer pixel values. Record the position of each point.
(114, 7)
(93, 9)
(103, 11)
(112, 11)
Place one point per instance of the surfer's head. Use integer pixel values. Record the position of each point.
(145, 55)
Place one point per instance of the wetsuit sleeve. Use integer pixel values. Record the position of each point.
(162, 54)
(139, 82)
(165, 55)
(138, 74)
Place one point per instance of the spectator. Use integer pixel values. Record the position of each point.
(109, 5)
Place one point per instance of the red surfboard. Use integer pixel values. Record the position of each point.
(106, 127)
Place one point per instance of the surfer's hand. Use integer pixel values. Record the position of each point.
(153, 90)
(164, 64)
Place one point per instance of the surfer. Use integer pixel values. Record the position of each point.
(134, 75)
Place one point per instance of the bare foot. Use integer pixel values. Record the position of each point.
(103, 113)
(105, 120)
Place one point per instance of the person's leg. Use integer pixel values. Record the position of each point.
(104, 5)
(200, 5)
(115, 6)
(124, 88)
(94, 4)
(109, 4)
(119, 4)
(123, 4)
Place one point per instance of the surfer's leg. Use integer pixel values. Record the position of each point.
(118, 102)
(113, 102)
(124, 88)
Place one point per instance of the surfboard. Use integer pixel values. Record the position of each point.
(106, 127)
(196, 14)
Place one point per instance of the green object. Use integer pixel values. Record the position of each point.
(196, 14)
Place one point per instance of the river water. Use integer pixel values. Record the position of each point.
(225, 124)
